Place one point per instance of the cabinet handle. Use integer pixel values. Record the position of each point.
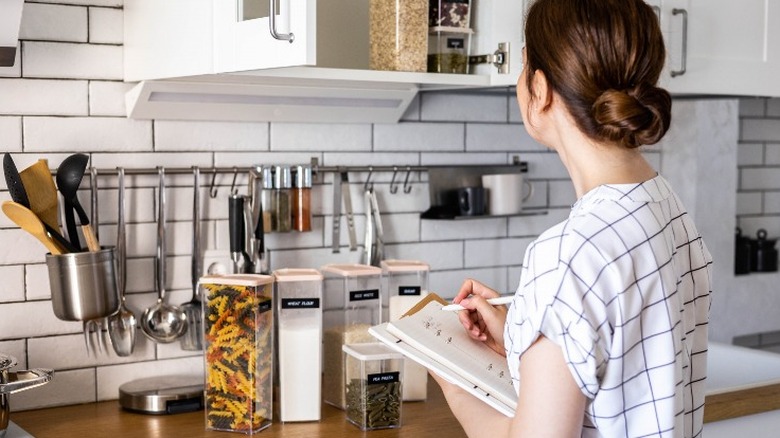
(682, 69)
(272, 25)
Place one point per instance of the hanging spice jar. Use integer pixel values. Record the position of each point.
(283, 198)
(267, 200)
(301, 198)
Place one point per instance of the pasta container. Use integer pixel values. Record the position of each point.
(373, 379)
(238, 352)
(397, 35)
(298, 344)
(449, 13)
(404, 284)
(351, 305)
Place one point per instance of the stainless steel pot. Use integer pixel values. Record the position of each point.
(13, 382)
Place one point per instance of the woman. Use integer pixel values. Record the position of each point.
(607, 334)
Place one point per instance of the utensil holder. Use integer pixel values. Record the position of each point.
(83, 284)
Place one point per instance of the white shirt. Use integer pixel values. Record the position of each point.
(623, 287)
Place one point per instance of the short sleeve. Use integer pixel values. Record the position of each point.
(556, 299)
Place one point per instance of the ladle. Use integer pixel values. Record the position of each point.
(162, 322)
(69, 176)
(121, 325)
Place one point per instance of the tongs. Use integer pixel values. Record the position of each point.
(245, 220)
(374, 238)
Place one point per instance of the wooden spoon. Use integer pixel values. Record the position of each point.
(28, 221)
(42, 192)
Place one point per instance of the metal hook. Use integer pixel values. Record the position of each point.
(393, 186)
(407, 185)
(369, 185)
(233, 188)
(213, 187)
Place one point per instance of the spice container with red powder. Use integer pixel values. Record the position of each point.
(238, 352)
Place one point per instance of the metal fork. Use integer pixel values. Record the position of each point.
(96, 337)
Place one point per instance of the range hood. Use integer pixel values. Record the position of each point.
(10, 19)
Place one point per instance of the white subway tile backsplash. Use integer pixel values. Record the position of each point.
(85, 134)
(561, 193)
(534, 225)
(320, 137)
(43, 97)
(495, 252)
(336, 158)
(412, 113)
(771, 154)
(448, 283)
(760, 130)
(312, 257)
(107, 98)
(500, 137)
(461, 159)
(411, 136)
(245, 159)
(752, 154)
(479, 228)
(771, 203)
(772, 107)
(32, 319)
(751, 224)
(445, 107)
(106, 26)
(111, 377)
(749, 203)
(16, 349)
(12, 284)
(51, 22)
(752, 107)
(72, 60)
(151, 161)
(545, 165)
(210, 136)
(20, 247)
(70, 351)
(66, 388)
(105, 3)
(36, 280)
(759, 178)
(11, 133)
(438, 255)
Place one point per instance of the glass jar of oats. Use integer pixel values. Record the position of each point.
(398, 34)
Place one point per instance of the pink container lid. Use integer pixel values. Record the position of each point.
(351, 270)
(404, 265)
(237, 279)
(282, 275)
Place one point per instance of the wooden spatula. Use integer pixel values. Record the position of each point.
(42, 193)
(28, 221)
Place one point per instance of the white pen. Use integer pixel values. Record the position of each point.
(492, 301)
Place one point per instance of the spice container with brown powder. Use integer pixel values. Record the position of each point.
(301, 198)
(238, 352)
(398, 32)
(282, 199)
(351, 305)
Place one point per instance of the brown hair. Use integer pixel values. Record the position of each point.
(603, 58)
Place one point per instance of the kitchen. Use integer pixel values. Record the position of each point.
(66, 94)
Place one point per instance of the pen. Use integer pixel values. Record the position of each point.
(491, 301)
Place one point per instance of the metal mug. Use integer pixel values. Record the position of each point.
(471, 201)
(83, 284)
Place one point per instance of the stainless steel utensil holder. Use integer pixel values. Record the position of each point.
(83, 285)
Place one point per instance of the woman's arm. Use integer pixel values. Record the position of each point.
(550, 402)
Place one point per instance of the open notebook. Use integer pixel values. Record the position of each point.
(436, 340)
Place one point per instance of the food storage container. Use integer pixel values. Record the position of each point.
(83, 284)
(449, 13)
(404, 283)
(298, 301)
(238, 352)
(398, 35)
(351, 306)
(448, 50)
(373, 385)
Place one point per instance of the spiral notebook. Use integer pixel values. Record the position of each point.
(436, 340)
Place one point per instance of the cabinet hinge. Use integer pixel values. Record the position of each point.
(499, 58)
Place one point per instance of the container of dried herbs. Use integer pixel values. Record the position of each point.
(373, 377)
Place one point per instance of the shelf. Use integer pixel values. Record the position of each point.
(436, 213)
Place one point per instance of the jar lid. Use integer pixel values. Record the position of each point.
(282, 178)
(287, 274)
(237, 279)
(404, 265)
(351, 270)
(302, 177)
(371, 351)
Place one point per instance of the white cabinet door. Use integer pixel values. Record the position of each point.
(498, 21)
(733, 46)
(243, 34)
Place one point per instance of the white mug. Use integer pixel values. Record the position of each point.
(505, 193)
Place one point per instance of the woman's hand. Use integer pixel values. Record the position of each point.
(481, 320)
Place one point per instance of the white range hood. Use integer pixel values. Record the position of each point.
(10, 19)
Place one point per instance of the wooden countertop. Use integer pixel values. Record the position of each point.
(107, 419)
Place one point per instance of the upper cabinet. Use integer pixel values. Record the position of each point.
(721, 47)
(289, 60)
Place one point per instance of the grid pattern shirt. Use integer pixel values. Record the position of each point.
(623, 287)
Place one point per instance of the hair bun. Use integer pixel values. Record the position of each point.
(633, 117)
